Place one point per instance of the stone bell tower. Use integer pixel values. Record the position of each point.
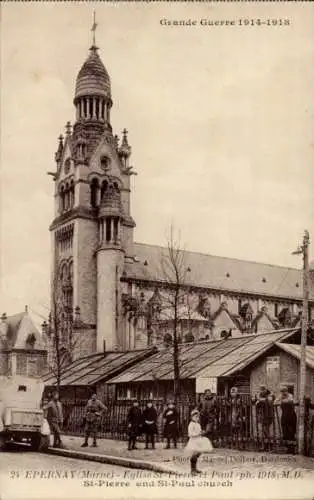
(93, 229)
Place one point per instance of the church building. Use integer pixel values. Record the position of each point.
(111, 285)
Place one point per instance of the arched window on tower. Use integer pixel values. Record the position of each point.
(72, 194)
(104, 188)
(94, 189)
(67, 197)
(62, 199)
(108, 229)
(97, 109)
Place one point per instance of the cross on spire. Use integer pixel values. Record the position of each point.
(94, 28)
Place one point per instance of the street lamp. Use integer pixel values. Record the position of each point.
(304, 251)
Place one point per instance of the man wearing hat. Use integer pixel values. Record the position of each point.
(171, 418)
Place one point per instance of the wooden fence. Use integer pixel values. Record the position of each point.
(246, 431)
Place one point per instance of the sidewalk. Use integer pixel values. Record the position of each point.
(174, 460)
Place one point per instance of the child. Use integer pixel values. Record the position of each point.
(197, 443)
(171, 417)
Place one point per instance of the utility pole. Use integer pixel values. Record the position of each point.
(304, 250)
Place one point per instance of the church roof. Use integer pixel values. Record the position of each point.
(220, 273)
(17, 329)
(93, 78)
(212, 358)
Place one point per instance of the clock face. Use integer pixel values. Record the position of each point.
(67, 165)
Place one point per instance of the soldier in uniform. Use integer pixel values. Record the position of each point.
(53, 413)
(94, 409)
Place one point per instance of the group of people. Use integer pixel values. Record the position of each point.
(232, 416)
(146, 423)
(265, 403)
(54, 415)
(226, 417)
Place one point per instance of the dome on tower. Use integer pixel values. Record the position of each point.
(93, 78)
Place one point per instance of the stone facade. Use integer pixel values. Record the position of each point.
(111, 280)
(23, 349)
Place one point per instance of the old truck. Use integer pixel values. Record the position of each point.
(21, 416)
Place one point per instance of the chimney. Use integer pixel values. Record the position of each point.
(104, 348)
(26, 309)
(4, 317)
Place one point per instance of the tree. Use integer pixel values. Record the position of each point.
(173, 273)
(62, 328)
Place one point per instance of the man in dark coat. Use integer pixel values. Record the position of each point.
(288, 419)
(53, 413)
(237, 417)
(134, 421)
(150, 424)
(94, 409)
(209, 414)
(171, 418)
(265, 415)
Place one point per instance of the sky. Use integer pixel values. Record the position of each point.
(220, 120)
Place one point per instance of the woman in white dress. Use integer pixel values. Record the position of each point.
(197, 443)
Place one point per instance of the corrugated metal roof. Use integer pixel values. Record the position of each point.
(73, 367)
(224, 273)
(295, 351)
(89, 370)
(203, 359)
(242, 356)
(219, 350)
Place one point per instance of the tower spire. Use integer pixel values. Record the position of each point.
(94, 31)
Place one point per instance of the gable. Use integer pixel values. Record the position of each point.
(223, 321)
(98, 163)
(264, 324)
(27, 329)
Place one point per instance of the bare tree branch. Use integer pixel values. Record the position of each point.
(173, 271)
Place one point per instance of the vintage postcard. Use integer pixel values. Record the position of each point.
(157, 272)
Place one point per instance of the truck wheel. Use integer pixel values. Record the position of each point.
(44, 443)
(2, 443)
(35, 442)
